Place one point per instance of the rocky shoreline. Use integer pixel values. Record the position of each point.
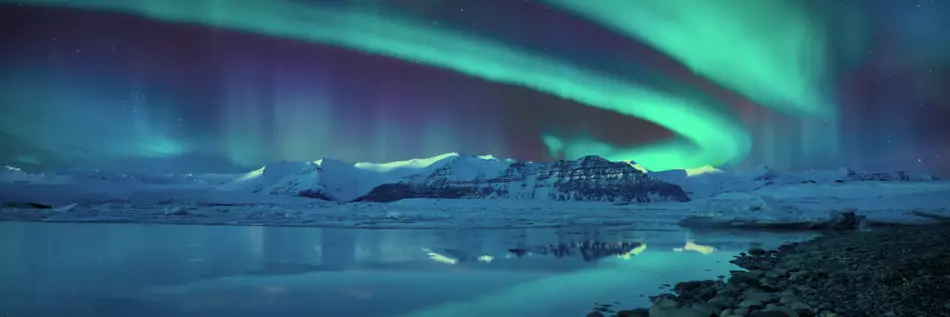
(892, 272)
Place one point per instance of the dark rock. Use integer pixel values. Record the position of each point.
(893, 272)
(770, 313)
(638, 312)
(687, 287)
(595, 314)
(720, 302)
(742, 277)
(756, 251)
(315, 194)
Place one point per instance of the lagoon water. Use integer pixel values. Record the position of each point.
(78, 270)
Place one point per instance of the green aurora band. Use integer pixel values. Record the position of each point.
(706, 136)
(770, 51)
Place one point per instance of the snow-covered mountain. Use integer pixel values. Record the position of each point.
(455, 176)
(13, 175)
(449, 176)
(590, 178)
(712, 183)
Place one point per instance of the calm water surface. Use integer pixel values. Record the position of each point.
(77, 270)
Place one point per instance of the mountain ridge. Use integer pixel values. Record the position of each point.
(456, 176)
(589, 178)
(460, 176)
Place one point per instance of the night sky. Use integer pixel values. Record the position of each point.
(221, 86)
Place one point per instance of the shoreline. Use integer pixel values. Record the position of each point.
(894, 272)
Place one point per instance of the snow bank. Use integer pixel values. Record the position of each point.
(814, 206)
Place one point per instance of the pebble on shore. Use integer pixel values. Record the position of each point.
(894, 272)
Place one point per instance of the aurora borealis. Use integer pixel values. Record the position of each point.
(215, 85)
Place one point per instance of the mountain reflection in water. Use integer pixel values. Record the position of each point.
(589, 251)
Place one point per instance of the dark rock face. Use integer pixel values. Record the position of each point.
(315, 194)
(589, 178)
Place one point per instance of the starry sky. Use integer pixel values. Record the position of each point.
(221, 86)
